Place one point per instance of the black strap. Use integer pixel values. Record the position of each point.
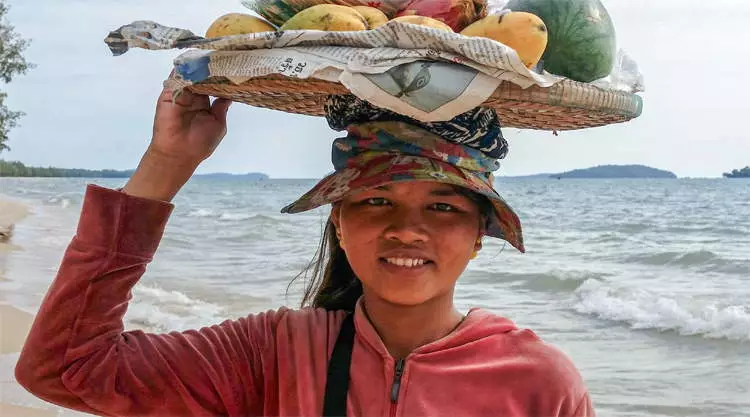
(337, 384)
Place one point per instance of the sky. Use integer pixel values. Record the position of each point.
(87, 109)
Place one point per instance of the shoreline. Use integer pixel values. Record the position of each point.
(11, 212)
(15, 324)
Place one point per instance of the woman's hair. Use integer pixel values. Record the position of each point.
(332, 283)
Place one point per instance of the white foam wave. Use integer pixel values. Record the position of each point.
(201, 213)
(236, 216)
(645, 310)
(155, 309)
(63, 202)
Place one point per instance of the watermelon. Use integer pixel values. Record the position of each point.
(582, 44)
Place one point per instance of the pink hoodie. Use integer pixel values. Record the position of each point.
(79, 356)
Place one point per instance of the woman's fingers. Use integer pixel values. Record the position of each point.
(220, 108)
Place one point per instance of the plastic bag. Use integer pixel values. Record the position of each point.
(625, 75)
(279, 11)
(496, 6)
(458, 14)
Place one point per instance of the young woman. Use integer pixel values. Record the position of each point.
(379, 335)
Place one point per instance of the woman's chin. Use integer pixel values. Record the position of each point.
(403, 299)
(404, 286)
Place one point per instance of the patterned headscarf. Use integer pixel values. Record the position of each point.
(478, 128)
(383, 147)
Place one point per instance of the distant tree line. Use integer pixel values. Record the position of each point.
(17, 169)
(739, 173)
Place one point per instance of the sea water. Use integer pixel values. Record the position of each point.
(645, 284)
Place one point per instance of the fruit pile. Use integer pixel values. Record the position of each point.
(572, 38)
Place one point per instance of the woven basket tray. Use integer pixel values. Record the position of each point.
(567, 105)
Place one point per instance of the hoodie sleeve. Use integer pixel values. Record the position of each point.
(78, 355)
(550, 384)
(585, 407)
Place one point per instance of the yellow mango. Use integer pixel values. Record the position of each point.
(374, 16)
(238, 24)
(329, 17)
(524, 32)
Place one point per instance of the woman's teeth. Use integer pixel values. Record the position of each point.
(409, 263)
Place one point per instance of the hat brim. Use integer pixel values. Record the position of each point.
(394, 168)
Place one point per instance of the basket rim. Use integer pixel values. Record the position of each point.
(590, 105)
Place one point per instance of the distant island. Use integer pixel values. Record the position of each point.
(609, 171)
(253, 176)
(616, 171)
(17, 169)
(738, 173)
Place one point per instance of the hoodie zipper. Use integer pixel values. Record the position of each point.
(399, 372)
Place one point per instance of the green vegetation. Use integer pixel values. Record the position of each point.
(17, 169)
(738, 173)
(12, 63)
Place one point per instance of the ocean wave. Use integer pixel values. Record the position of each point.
(705, 260)
(233, 216)
(243, 237)
(62, 202)
(173, 241)
(674, 258)
(642, 309)
(634, 227)
(255, 219)
(201, 213)
(548, 281)
(155, 309)
(711, 230)
(559, 281)
(608, 238)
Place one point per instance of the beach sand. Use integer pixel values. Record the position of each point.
(14, 327)
(14, 410)
(11, 212)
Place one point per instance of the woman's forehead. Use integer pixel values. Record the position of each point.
(432, 188)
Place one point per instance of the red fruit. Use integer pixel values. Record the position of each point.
(455, 13)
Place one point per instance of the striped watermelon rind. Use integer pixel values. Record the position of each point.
(582, 43)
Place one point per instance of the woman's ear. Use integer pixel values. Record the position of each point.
(478, 243)
(336, 218)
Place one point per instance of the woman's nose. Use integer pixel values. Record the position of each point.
(407, 225)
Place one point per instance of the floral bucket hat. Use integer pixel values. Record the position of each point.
(383, 147)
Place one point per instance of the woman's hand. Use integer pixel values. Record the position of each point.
(186, 132)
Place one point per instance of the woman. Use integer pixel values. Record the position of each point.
(409, 211)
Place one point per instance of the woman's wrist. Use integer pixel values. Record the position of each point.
(159, 177)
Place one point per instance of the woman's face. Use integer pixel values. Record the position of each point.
(408, 242)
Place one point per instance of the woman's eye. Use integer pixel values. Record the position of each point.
(443, 207)
(377, 201)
